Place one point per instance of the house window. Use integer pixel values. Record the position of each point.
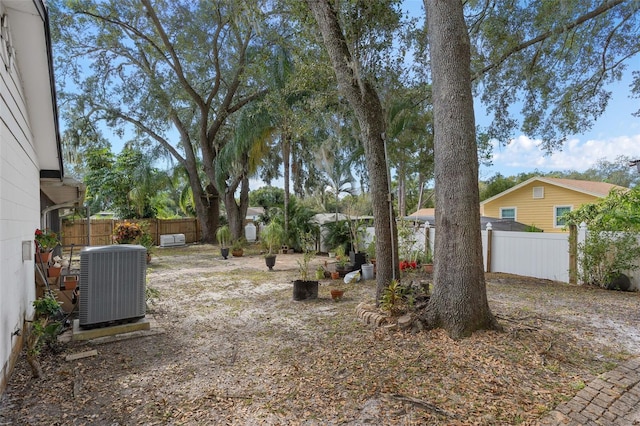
(558, 211)
(508, 213)
(538, 192)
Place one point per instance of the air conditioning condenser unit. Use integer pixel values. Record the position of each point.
(112, 284)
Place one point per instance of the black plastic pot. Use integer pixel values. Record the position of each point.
(270, 261)
(357, 259)
(304, 290)
(619, 282)
(224, 252)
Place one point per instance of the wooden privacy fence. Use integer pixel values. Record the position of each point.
(98, 232)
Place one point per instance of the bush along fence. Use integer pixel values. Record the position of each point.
(98, 232)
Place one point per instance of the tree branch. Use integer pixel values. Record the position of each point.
(162, 141)
(176, 65)
(606, 6)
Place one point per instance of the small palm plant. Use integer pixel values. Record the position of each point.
(223, 235)
(272, 236)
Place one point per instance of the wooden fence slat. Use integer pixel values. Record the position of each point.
(76, 232)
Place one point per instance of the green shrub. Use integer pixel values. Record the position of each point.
(396, 298)
(605, 255)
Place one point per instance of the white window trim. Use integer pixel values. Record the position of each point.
(555, 213)
(515, 213)
(541, 189)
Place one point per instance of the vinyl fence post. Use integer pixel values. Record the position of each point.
(489, 240)
(582, 236)
(573, 254)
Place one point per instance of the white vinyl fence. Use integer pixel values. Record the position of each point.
(531, 254)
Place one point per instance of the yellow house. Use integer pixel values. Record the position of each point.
(541, 201)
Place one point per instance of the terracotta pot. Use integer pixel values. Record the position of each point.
(237, 252)
(336, 294)
(428, 268)
(335, 275)
(44, 257)
(54, 272)
(70, 282)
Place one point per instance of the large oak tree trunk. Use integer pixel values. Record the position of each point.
(365, 102)
(207, 205)
(459, 301)
(236, 212)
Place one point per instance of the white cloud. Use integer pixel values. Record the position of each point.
(523, 154)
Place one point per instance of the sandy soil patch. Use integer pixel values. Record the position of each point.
(236, 349)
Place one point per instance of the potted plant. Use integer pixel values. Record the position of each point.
(356, 232)
(127, 232)
(223, 235)
(236, 248)
(55, 268)
(304, 288)
(271, 237)
(428, 262)
(43, 330)
(146, 240)
(46, 240)
(341, 258)
(371, 251)
(337, 293)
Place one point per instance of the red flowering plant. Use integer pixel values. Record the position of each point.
(46, 240)
(127, 232)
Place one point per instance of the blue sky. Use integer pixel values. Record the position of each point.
(615, 133)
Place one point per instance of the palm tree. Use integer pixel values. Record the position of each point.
(240, 159)
(336, 167)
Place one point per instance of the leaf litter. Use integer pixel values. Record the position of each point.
(236, 349)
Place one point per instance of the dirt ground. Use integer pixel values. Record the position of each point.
(232, 347)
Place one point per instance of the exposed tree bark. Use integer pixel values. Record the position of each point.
(402, 190)
(36, 367)
(365, 102)
(236, 212)
(286, 162)
(459, 301)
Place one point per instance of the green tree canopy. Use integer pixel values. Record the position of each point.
(172, 72)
